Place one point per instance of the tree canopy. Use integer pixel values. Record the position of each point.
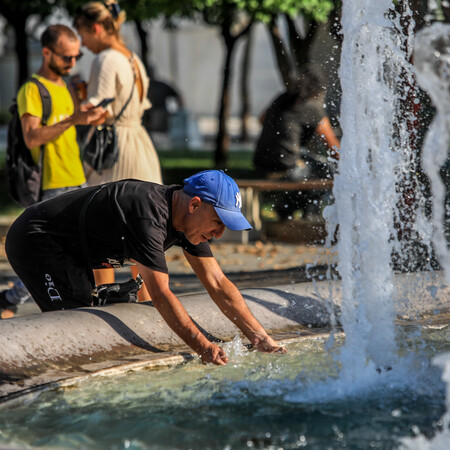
(13, 10)
(264, 10)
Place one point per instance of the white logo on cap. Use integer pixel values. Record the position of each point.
(238, 200)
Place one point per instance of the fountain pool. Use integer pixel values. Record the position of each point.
(257, 401)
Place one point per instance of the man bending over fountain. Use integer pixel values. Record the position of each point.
(54, 245)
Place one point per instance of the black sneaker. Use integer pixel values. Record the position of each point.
(118, 292)
(4, 304)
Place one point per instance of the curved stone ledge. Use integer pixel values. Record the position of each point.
(44, 348)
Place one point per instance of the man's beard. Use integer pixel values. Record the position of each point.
(58, 70)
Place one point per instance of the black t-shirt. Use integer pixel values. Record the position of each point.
(287, 127)
(127, 219)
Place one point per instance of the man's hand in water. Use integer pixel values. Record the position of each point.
(214, 354)
(264, 343)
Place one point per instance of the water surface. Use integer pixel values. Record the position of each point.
(302, 399)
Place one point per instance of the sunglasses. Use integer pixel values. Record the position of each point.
(68, 59)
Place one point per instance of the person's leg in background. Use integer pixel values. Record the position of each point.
(104, 276)
(143, 294)
(290, 202)
(322, 169)
(10, 298)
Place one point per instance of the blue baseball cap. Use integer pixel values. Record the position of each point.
(221, 191)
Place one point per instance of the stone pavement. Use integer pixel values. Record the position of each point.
(256, 264)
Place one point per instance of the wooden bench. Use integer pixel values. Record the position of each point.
(251, 190)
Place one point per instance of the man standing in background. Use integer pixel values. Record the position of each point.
(62, 168)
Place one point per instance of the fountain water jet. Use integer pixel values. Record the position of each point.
(374, 151)
(376, 76)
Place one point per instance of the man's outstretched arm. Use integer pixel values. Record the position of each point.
(230, 301)
(173, 312)
(326, 133)
(35, 135)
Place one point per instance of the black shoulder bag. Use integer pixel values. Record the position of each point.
(102, 149)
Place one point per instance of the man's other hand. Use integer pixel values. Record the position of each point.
(214, 354)
(90, 115)
(264, 343)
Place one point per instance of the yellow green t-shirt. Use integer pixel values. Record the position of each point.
(62, 166)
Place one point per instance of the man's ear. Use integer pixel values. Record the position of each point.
(46, 52)
(194, 204)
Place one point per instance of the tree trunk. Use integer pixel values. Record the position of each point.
(300, 47)
(419, 11)
(446, 12)
(21, 49)
(245, 93)
(223, 138)
(142, 33)
(281, 55)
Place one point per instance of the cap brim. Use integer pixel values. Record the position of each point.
(234, 220)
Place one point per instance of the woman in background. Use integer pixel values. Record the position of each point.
(118, 73)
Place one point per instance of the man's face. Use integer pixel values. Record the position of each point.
(202, 222)
(63, 56)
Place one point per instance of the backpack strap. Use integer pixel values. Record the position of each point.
(45, 98)
(46, 111)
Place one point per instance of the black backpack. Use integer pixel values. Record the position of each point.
(23, 175)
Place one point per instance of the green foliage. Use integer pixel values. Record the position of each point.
(317, 10)
(216, 10)
(264, 10)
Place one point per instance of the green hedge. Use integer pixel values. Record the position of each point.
(5, 117)
(179, 164)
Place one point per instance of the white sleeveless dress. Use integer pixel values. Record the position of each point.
(112, 76)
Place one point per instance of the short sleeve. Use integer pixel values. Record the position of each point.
(29, 100)
(201, 250)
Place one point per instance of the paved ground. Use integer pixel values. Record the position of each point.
(254, 265)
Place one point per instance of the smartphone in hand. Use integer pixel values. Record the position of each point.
(105, 102)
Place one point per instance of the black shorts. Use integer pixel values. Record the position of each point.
(54, 279)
